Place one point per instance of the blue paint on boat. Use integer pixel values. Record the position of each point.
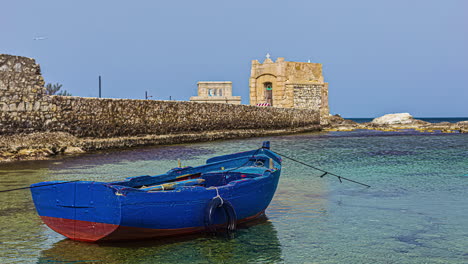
(167, 204)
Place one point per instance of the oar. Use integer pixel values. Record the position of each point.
(173, 185)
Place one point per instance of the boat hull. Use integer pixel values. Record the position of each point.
(95, 211)
(115, 213)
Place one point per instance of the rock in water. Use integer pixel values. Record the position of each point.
(73, 150)
(463, 125)
(392, 119)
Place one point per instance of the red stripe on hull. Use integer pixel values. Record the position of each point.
(92, 231)
(79, 230)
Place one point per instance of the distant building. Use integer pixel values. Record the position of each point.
(288, 84)
(215, 92)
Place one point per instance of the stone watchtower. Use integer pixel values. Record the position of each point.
(289, 84)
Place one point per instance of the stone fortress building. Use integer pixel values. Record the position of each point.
(288, 84)
(215, 92)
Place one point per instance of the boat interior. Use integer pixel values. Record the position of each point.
(214, 174)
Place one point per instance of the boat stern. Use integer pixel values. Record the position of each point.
(84, 211)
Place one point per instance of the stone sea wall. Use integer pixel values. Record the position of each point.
(24, 108)
(94, 117)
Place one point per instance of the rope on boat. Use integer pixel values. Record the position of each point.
(29, 187)
(229, 212)
(218, 196)
(340, 178)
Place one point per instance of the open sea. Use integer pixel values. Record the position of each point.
(415, 212)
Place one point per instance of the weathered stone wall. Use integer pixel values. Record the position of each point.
(307, 94)
(20, 81)
(96, 117)
(25, 108)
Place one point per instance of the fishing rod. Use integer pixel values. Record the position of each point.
(29, 187)
(324, 171)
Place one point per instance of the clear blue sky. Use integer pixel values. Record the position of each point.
(378, 56)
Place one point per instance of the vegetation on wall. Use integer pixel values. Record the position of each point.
(54, 89)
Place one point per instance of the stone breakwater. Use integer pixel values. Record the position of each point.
(94, 117)
(34, 120)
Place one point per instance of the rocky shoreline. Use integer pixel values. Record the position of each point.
(395, 122)
(46, 145)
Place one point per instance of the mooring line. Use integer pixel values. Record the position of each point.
(29, 187)
(340, 178)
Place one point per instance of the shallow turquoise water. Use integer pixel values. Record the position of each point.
(415, 212)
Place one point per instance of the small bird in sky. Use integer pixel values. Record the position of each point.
(39, 38)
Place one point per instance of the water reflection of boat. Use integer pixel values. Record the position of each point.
(256, 243)
(181, 201)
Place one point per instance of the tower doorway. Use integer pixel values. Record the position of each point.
(268, 93)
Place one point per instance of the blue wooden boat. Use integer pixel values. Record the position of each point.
(225, 191)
